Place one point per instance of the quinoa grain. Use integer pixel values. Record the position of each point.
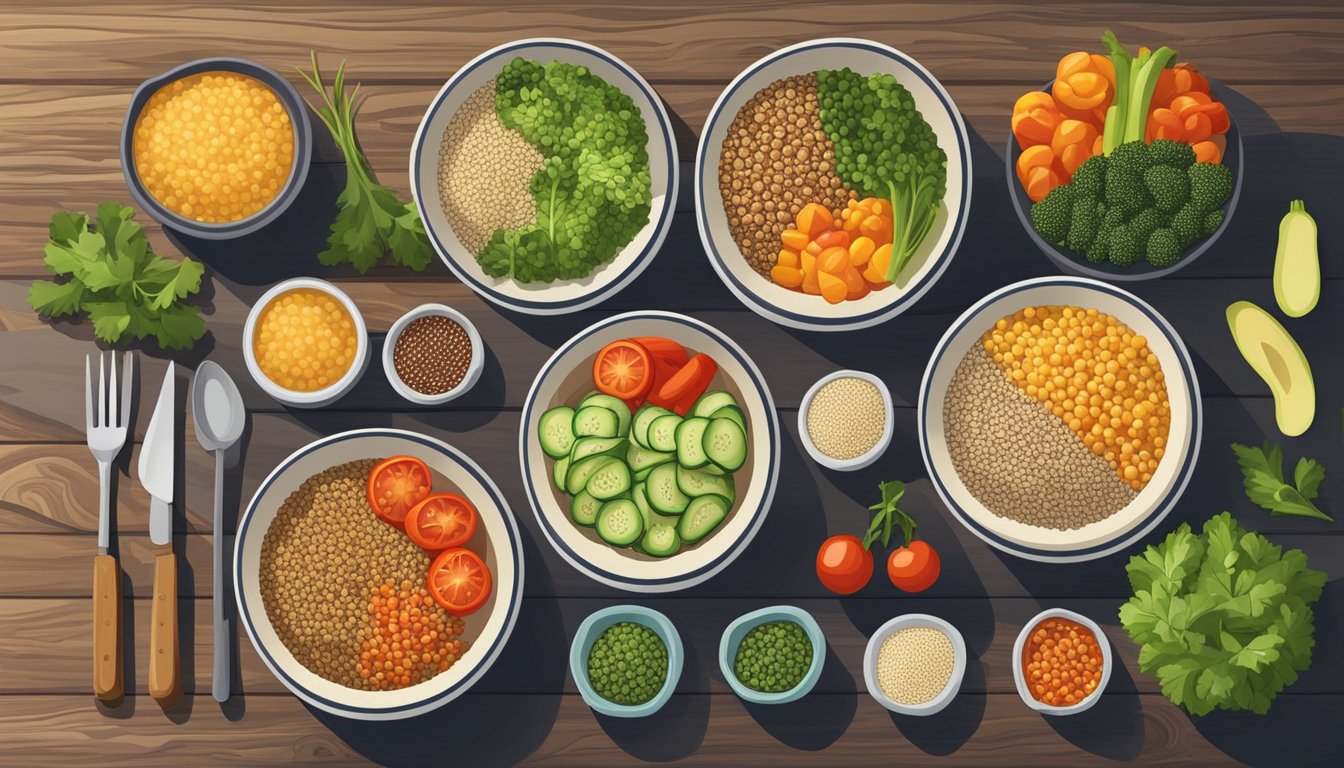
(915, 664)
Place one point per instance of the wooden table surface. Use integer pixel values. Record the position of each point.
(66, 74)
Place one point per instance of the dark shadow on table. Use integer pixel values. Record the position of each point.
(817, 720)
(677, 730)
(945, 732)
(1113, 728)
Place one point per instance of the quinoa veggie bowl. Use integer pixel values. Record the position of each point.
(545, 173)
(321, 484)
(1060, 418)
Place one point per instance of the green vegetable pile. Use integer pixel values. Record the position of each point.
(773, 657)
(114, 277)
(627, 664)
(885, 148)
(593, 192)
(1223, 619)
(1142, 201)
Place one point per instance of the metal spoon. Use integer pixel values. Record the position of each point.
(219, 415)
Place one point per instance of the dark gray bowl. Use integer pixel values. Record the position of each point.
(1079, 265)
(303, 148)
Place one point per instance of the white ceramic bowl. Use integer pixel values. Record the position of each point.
(872, 454)
(473, 367)
(567, 376)
(801, 310)
(1107, 661)
(1152, 503)
(563, 295)
(909, 621)
(486, 630)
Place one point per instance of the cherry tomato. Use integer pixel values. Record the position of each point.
(396, 485)
(441, 521)
(623, 369)
(459, 581)
(914, 567)
(843, 565)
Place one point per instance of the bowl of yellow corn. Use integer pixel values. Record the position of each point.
(216, 148)
(305, 342)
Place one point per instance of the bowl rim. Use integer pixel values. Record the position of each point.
(1107, 662)
(662, 224)
(1071, 262)
(514, 548)
(913, 293)
(303, 147)
(910, 620)
(330, 393)
(869, 456)
(1163, 506)
(474, 367)
(753, 619)
(771, 470)
(653, 620)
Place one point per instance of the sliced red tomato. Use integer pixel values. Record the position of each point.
(396, 485)
(441, 521)
(623, 369)
(690, 382)
(459, 581)
(663, 349)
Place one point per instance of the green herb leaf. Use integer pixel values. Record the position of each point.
(889, 514)
(1262, 475)
(55, 299)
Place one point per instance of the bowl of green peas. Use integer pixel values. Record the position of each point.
(773, 655)
(626, 660)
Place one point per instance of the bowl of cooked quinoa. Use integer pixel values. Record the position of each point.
(353, 621)
(846, 420)
(216, 148)
(1060, 418)
(914, 664)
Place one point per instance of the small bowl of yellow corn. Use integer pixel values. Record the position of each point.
(305, 343)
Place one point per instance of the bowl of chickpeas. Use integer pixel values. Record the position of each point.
(216, 148)
(1062, 662)
(305, 343)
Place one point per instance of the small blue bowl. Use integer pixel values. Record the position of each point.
(593, 627)
(732, 638)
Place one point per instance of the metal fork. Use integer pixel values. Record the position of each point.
(106, 420)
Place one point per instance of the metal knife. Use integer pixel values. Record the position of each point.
(157, 475)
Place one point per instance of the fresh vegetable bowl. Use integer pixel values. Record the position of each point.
(732, 640)
(600, 621)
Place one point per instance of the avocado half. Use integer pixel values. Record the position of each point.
(1279, 361)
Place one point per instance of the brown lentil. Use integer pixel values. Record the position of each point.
(775, 159)
(915, 664)
(432, 354)
(846, 417)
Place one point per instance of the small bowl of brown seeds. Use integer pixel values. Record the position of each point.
(433, 354)
(845, 421)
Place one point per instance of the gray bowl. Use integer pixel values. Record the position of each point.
(1069, 261)
(303, 147)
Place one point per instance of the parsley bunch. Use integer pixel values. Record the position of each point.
(115, 278)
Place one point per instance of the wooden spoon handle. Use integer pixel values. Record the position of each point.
(107, 684)
(163, 661)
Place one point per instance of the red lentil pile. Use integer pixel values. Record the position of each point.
(432, 354)
(407, 640)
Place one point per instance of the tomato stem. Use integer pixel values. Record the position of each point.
(889, 515)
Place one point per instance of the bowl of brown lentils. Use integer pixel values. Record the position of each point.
(433, 354)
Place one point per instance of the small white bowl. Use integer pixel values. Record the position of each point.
(1107, 661)
(473, 367)
(908, 621)
(862, 460)
(320, 397)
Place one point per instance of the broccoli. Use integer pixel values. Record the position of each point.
(1145, 223)
(1176, 153)
(1113, 217)
(1133, 155)
(1164, 248)
(1168, 186)
(1123, 247)
(1083, 225)
(1124, 189)
(1188, 224)
(1213, 221)
(1089, 179)
(1210, 185)
(1051, 217)
(885, 148)
(1101, 246)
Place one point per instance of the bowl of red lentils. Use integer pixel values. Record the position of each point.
(1062, 662)
(216, 148)
(305, 342)
(433, 354)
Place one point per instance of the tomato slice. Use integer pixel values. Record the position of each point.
(623, 369)
(396, 485)
(459, 581)
(441, 521)
(691, 381)
(663, 349)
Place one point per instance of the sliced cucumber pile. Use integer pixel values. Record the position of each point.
(651, 480)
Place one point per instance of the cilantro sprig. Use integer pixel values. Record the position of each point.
(112, 275)
(889, 515)
(1262, 474)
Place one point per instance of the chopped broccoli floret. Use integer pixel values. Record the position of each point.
(1213, 221)
(1113, 217)
(1125, 189)
(1124, 247)
(1164, 248)
(1101, 246)
(1177, 153)
(1051, 216)
(1132, 155)
(1168, 186)
(1145, 223)
(1083, 225)
(1210, 185)
(1188, 224)
(1090, 178)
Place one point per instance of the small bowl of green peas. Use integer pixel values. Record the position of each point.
(626, 660)
(773, 655)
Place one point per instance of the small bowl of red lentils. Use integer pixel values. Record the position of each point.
(433, 354)
(305, 343)
(216, 148)
(1062, 662)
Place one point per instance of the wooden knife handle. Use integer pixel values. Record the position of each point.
(106, 628)
(163, 660)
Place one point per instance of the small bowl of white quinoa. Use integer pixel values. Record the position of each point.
(914, 664)
(845, 421)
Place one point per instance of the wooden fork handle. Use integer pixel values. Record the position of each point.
(107, 683)
(164, 665)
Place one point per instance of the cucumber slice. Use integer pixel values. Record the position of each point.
(663, 432)
(579, 472)
(640, 475)
(595, 446)
(731, 412)
(583, 509)
(711, 402)
(619, 523)
(697, 482)
(639, 458)
(639, 428)
(594, 421)
(609, 481)
(613, 404)
(725, 444)
(702, 516)
(559, 471)
(555, 431)
(665, 496)
(690, 442)
(641, 499)
(660, 540)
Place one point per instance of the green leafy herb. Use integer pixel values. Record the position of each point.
(114, 277)
(1262, 473)
(370, 220)
(1223, 620)
(889, 514)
